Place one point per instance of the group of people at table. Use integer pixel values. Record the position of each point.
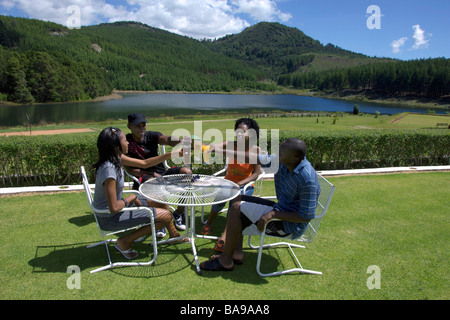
(296, 185)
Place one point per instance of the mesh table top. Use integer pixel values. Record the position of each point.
(189, 190)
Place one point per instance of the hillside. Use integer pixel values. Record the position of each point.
(123, 55)
(43, 61)
(277, 49)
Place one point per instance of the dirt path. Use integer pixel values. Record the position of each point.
(399, 118)
(45, 132)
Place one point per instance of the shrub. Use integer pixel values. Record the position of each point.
(55, 160)
(45, 160)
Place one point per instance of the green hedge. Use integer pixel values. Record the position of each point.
(351, 149)
(45, 160)
(55, 160)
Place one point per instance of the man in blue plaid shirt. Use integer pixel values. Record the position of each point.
(297, 190)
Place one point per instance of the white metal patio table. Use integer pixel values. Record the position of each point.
(190, 190)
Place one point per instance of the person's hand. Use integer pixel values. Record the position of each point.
(261, 223)
(136, 202)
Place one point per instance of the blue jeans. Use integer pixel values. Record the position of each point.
(220, 206)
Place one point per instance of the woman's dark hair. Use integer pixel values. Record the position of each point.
(250, 123)
(107, 142)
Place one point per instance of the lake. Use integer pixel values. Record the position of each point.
(156, 104)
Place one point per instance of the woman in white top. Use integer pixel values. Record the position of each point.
(112, 147)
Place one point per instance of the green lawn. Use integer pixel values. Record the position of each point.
(223, 122)
(397, 222)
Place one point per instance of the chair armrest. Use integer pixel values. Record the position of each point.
(220, 171)
(131, 191)
(248, 184)
(132, 177)
(136, 208)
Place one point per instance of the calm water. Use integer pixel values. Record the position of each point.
(153, 104)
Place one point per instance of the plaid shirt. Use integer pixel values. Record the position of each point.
(297, 191)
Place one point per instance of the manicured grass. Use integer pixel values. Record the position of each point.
(224, 122)
(397, 222)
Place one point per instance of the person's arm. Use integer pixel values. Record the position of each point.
(251, 157)
(305, 211)
(252, 177)
(217, 146)
(285, 216)
(168, 140)
(114, 204)
(150, 162)
(227, 149)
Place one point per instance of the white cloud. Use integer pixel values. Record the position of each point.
(261, 10)
(92, 11)
(194, 18)
(419, 37)
(397, 44)
(420, 40)
(198, 19)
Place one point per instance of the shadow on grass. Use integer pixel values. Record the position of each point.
(82, 221)
(56, 259)
(171, 259)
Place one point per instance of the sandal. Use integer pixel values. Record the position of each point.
(184, 240)
(235, 261)
(206, 230)
(219, 246)
(214, 265)
(128, 254)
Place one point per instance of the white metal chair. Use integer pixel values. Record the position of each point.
(327, 190)
(105, 233)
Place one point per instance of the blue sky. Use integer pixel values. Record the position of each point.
(399, 29)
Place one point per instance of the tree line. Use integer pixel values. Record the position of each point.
(40, 77)
(43, 61)
(428, 78)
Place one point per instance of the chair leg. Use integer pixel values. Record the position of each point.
(261, 247)
(124, 264)
(101, 242)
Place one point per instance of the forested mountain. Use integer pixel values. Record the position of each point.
(428, 78)
(43, 61)
(34, 66)
(122, 55)
(277, 49)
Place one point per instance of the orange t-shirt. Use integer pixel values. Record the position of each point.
(239, 171)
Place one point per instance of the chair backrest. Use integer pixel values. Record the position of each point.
(326, 193)
(87, 189)
(90, 199)
(90, 193)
